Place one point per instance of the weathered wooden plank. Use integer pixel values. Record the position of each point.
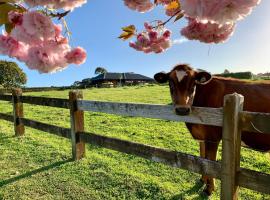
(231, 145)
(5, 97)
(7, 117)
(254, 180)
(208, 116)
(246, 178)
(255, 122)
(52, 102)
(172, 158)
(18, 112)
(77, 125)
(56, 130)
(42, 89)
(5, 91)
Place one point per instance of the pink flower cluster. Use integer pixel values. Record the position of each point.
(39, 43)
(209, 21)
(152, 40)
(213, 21)
(139, 5)
(11, 47)
(218, 11)
(56, 4)
(147, 5)
(207, 32)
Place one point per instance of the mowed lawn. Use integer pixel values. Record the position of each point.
(39, 166)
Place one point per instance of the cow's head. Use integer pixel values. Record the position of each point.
(182, 81)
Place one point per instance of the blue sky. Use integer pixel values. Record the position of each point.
(96, 25)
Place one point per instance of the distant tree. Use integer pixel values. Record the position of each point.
(100, 70)
(226, 71)
(11, 75)
(76, 83)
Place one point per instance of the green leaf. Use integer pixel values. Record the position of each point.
(129, 29)
(4, 10)
(179, 16)
(128, 32)
(9, 27)
(7, 1)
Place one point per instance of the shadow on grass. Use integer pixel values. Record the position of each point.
(194, 190)
(31, 173)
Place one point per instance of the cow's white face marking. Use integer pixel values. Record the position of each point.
(187, 100)
(180, 75)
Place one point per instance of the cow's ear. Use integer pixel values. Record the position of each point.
(203, 78)
(161, 77)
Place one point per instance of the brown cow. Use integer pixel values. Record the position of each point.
(189, 87)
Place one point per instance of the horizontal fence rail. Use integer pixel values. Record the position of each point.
(255, 122)
(43, 101)
(172, 158)
(7, 117)
(56, 130)
(247, 178)
(5, 97)
(248, 121)
(207, 116)
(254, 180)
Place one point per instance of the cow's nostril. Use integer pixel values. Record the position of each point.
(182, 111)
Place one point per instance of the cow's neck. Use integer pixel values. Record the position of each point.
(212, 94)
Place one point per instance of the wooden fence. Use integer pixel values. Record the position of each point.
(231, 117)
(40, 89)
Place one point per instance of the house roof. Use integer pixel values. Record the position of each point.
(122, 76)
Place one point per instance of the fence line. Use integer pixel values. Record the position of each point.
(231, 118)
(56, 130)
(199, 115)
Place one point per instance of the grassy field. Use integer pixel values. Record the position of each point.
(38, 166)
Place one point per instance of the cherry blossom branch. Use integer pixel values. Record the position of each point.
(59, 15)
(168, 20)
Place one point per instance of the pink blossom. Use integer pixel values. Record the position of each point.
(56, 4)
(76, 56)
(48, 56)
(152, 39)
(139, 5)
(11, 47)
(35, 28)
(167, 34)
(39, 43)
(218, 11)
(15, 18)
(58, 30)
(207, 32)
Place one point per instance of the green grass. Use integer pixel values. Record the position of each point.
(38, 166)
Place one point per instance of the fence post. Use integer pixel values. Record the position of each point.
(231, 145)
(77, 125)
(17, 111)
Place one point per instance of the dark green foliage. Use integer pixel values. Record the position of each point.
(239, 75)
(226, 71)
(100, 70)
(11, 75)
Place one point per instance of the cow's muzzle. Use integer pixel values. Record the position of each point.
(182, 110)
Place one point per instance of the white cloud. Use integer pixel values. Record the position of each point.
(180, 41)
